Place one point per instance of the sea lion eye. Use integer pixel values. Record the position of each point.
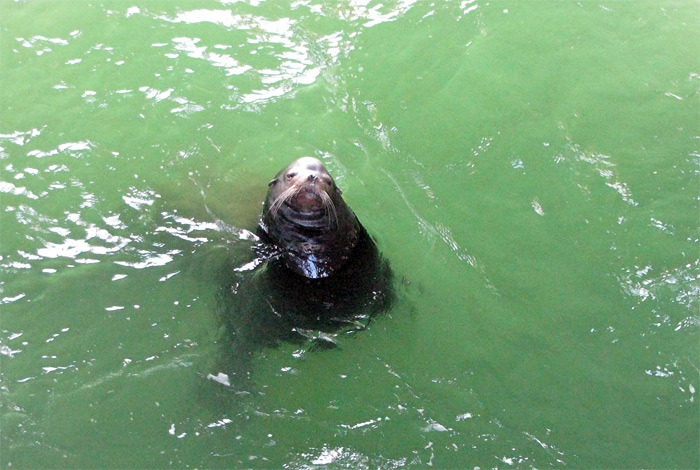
(291, 175)
(272, 183)
(338, 190)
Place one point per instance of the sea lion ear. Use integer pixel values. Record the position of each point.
(272, 183)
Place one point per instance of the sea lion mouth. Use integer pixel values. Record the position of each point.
(310, 204)
(307, 199)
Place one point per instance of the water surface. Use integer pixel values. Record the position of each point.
(529, 169)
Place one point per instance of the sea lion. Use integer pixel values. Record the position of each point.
(317, 277)
(305, 216)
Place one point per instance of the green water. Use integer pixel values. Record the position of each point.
(529, 168)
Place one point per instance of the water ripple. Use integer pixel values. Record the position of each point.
(41, 44)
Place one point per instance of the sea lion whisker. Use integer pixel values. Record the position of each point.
(272, 209)
(326, 211)
(330, 209)
(284, 196)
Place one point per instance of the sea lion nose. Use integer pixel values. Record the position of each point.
(312, 177)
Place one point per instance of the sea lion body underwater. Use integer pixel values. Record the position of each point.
(304, 215)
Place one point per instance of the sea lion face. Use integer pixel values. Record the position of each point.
(306, 217)
(303, 190)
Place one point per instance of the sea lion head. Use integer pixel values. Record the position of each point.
(305, 216)
(305, 190)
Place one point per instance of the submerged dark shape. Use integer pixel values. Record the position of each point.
(318, 273)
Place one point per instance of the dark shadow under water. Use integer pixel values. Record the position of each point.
(271, 305)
